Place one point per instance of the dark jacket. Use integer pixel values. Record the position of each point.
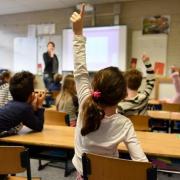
(14, 113)
(51, 64)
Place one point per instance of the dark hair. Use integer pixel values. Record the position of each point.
(4, 76)
(21, 86)
(112, 86)
(52, 43)
(133, 79)
(57, 78)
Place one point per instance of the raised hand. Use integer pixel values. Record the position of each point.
(77, 21)
(145, 58)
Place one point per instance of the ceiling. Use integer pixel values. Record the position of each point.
(18, 6)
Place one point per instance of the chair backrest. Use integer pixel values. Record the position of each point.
(52, 117)
(14, 159)
(140, 122)
(106, 168)
(171, 107)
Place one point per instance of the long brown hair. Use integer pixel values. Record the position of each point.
(67, 89)
(111, 85)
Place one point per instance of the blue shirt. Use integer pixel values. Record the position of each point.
(14, 113)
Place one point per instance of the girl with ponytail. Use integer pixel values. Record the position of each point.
(99, 128)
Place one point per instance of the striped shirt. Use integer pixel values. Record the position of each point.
(5, 94)
(138, 104)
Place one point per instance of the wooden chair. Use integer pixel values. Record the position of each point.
(56, 118)
(53, 117)
(13, 160)
(140, 122)
(106, 168)
(171, 107)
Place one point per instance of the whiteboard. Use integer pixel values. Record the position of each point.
(42, 42)
(153, 45)
(25, 54)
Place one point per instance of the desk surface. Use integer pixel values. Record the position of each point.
(51, 136)
(166, 115)
(157, 144)
(175, 116)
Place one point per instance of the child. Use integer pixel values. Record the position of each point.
(5, 94)
(136, 102)
(99, 128)
(67, 100)
(176, 81)
(56, 84)
(25, 108)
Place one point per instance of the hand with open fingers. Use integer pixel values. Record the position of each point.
(77, 21)
(145, 58)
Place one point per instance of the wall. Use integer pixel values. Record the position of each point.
(131, 14)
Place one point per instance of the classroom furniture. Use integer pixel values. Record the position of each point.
(169, 118)
(171, 107)
(56, 118)
(59, 119)
(140, 122)
(106, 168)
(62, 137)
(13, 160)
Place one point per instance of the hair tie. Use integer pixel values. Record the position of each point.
(96, 94)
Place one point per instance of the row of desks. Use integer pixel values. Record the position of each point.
(166, 115)
(156, 144)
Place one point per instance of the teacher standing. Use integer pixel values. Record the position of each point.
(51, 64)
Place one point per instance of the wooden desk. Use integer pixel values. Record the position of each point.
(166, 115)
(154, 102)
(175, 116)
(51, 136)
(156, 144)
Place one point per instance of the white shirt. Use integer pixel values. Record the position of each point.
(112, 131)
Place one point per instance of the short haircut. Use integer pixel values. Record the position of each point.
(58, 78)
(52, 43)
(21, 86)
(133, 79)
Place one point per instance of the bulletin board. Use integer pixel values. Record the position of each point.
(153, 45)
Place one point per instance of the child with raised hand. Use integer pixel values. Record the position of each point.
(99, 128)
(136, 102)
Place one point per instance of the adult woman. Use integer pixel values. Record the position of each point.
(51, 64)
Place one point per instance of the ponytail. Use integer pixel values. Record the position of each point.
(92, 116)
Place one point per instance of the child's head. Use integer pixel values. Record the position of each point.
(69, 84)
(109, 88)
(57, 78)
(133, 79)
(22, 86)
(5, 76)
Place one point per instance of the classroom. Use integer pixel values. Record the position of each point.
(90, 90)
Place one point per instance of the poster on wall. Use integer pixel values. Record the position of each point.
(156, 24)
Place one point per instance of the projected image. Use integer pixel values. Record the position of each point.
(105, 46)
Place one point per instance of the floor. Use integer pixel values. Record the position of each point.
(51, 173)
